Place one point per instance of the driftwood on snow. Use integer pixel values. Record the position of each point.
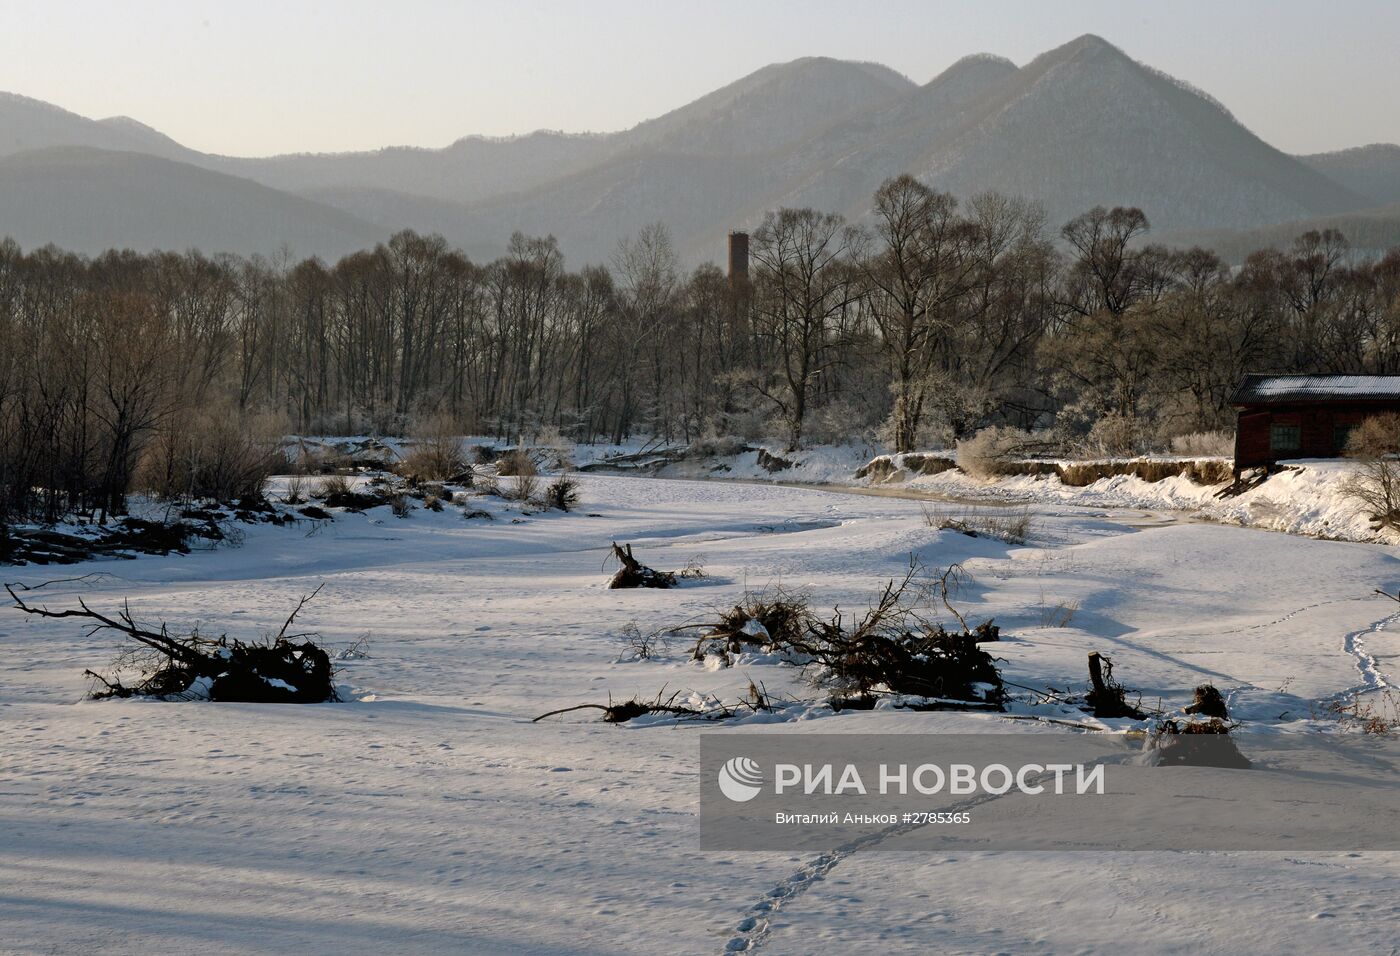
(631, 573)
(1107, 697)
(287, 669)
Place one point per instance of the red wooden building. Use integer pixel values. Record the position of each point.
(1305, 416)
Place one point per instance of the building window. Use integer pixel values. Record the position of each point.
(1285, 438)
(1341, 434)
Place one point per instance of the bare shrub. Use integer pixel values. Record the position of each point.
(436, 452)
(988, 454)
(217, 454)
(890, 649)
(523, 487)
(400, 505)
(432, 503)
(562, 493)
(488, 485)
(1375, 485)
(639, 645)
(1216, 444)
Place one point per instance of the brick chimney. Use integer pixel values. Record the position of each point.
(738, 257)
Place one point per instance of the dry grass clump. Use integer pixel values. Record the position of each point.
(516, 462)
(1216, 444)
(297, 490)
(333, 485)
(1059, 614)
(488, 485)
(1011, 525)
(1379, 715)
(338, 491)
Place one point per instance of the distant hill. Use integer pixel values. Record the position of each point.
(1373, 171)
(29, 124)
(1370, 232)
(1079, 126)
(1084, 125)
(88, 200)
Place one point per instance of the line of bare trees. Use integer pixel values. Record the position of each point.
(933, 320)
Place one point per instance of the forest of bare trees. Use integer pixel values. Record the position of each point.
(938, 318)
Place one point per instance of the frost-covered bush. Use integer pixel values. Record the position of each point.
(991, 451)
(714, 445)
(554, 449)
(1216, 444)
(839, 422)
(1116, 436)
(517, 462)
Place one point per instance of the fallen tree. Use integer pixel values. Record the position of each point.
(284, 669)
(621, 713)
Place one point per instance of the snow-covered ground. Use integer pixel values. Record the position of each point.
(1304, 497)
(430, 815)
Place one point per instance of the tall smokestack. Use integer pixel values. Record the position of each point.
(738, 257)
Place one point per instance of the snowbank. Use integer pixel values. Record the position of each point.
(1305, 497)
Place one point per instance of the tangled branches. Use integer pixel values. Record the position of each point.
(287, 668)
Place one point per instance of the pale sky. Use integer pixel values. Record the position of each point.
(253, 77)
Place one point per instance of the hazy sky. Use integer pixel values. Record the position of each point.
(253, 77)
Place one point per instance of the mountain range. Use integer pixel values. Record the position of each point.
(1081, 125)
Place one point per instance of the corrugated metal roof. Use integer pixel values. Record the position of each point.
(1274, 389)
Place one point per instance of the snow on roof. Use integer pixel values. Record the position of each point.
(1271, 389)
